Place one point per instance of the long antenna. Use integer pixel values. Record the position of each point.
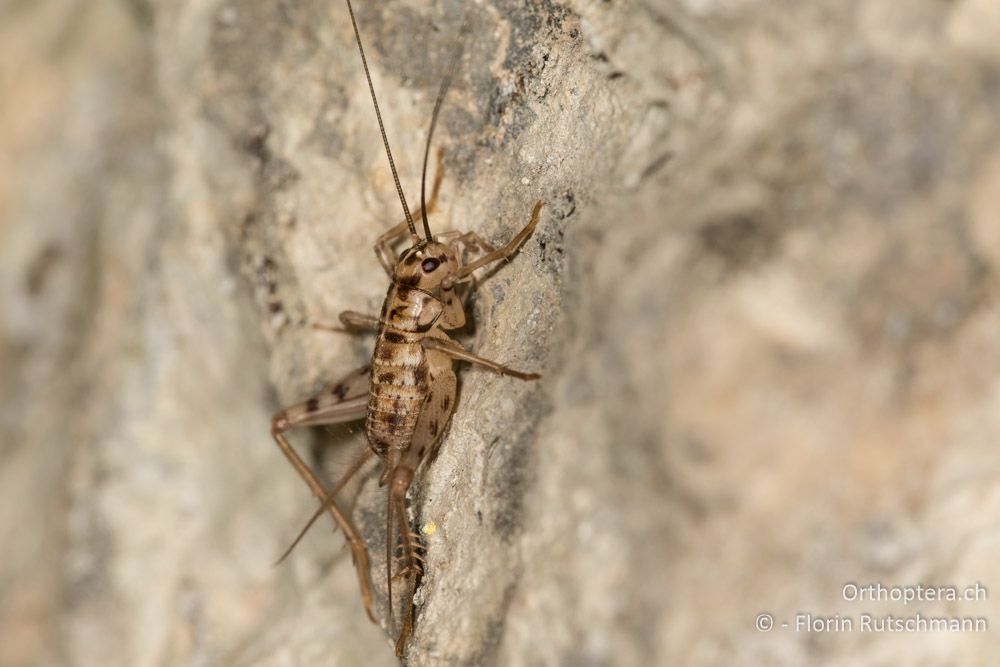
(381, 127)
(442, 91)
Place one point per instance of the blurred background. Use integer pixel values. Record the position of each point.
(763, 297)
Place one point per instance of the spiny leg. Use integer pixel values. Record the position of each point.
(340, 402)
(410, 573)
(354, 541)
(410, 561)
(341, 483)
(456, 351)
(399, 483)
(434, 416)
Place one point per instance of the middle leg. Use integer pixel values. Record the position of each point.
(456, 351)
(353, 322)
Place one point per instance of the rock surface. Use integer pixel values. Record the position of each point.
(763, 295)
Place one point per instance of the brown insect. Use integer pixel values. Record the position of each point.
(407, 394)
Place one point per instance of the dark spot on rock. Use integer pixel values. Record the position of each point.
(740, 241)
(40, 268)
(656, 165)
(279, 174)
(565, 205)
(256, 142)
(511, 475)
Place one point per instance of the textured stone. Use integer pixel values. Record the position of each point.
(762, 295)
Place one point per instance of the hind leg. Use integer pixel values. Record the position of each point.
(337, 403)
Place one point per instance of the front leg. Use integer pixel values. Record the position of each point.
(465, 241)
(474, 242)
(383, 246)
(507, 250)
(453, 313)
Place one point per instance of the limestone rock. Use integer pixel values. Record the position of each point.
(762, 294)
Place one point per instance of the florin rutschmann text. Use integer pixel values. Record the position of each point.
(890, 620)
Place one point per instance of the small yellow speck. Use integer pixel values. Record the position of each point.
(429, 528)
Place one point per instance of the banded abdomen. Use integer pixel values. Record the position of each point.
(399, 369)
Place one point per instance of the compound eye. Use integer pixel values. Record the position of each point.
(430, 264)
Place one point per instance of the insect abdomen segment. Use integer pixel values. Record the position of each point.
(399, 371)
